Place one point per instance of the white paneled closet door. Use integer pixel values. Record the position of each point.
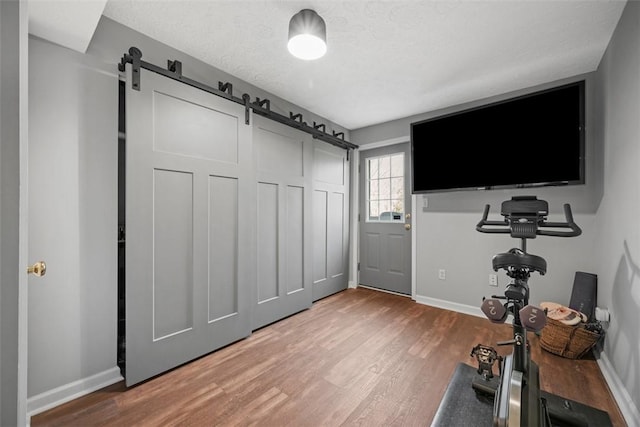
(283, 179)
(190, 203)
(330, 220)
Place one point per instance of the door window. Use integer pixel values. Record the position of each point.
(385, 188)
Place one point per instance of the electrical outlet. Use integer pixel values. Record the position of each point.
(493, 280)
(442, 274)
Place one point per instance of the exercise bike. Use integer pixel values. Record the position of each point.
(516, 394)
(475, 396)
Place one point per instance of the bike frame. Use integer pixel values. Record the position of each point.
(517, 399)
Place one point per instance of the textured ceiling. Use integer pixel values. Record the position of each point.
(386, 59)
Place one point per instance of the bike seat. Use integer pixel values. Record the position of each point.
(516, 258)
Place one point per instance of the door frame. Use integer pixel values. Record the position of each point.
(15, 159)
(15, 199)
(355, 212)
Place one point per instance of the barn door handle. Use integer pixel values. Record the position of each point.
(39, 269)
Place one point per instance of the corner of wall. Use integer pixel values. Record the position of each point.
(71, 391)
(449, 305)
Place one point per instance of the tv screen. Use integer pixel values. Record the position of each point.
(528, 141)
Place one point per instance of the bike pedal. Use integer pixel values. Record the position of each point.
(494, 310)
(533, 318)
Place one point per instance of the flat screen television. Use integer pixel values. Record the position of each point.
(528, 141)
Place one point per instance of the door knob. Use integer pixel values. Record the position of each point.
(407, 226)
(39, 269)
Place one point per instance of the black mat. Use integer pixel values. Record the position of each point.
(461, 406)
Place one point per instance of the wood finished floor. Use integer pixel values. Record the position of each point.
(360, 357)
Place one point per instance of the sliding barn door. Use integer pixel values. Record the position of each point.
(190, 201)
(330, 220)
(283, 175)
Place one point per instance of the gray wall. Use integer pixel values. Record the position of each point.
(449, 221)
(449, 241)
(617, 235)
(583, 198)
(607, 208)
(111, 40)
(609, 247)
(72, 217)
(73, 126)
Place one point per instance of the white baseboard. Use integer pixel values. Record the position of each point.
(620, 394)
(65, 393)
(448, 305)
(352, 284)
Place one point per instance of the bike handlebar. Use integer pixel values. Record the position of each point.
(504, 226)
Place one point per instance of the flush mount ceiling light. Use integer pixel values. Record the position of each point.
(307, 35)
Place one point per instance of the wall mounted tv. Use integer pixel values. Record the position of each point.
(528, 141)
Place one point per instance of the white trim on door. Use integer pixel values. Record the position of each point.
(385, 143)
(23, 228)
(354, 232)
(414, 239)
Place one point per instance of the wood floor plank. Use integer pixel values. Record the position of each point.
(360, 357)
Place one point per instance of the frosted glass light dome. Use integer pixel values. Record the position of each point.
(307, 35)
(307, 46)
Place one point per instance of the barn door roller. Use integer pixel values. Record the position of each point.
(261, 107)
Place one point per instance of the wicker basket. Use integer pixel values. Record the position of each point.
(571, 342)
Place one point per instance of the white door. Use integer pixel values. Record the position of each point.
(190, 200)
(385, 219)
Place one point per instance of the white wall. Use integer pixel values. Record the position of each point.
(617, 253)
